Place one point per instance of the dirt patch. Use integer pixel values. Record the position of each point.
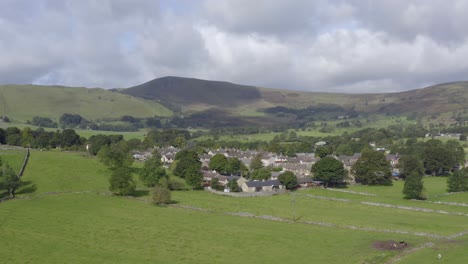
(390, 245)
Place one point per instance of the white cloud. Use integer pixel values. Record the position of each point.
(352, 46)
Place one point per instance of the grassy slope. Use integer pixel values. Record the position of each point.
(22, 102)
(98, 229)
(14, 158)
(78, 228)
(62, 171)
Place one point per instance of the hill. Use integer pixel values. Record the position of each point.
(22, 102)
(227, 101)
(202, 103)
(178, 92)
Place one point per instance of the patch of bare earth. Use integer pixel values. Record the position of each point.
(389, 245)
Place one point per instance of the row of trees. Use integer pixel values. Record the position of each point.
(40, 138)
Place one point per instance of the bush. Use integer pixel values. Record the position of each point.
(161, 195)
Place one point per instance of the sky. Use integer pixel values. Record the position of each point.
(352, 46)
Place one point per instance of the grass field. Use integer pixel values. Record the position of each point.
(70, 217)
(14, 158)
(22, 102)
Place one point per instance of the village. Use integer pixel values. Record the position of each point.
(300, 165)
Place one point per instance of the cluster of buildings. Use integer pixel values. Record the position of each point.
(300, 165)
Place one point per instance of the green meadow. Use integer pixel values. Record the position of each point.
(64, 214)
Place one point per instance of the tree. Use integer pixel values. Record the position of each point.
(233, 186)
(219, 163)
(194, 177)
(2, 136)
(13, 136)
(214, 184)
(323, 151)
(288, 179)
(161, 195)
(329, 170)
(116, 155)
(11, 181)
(187, 162)
(261, 174)
(69, 138)
(438, 159)
(409, 164)
(256, 162)
(458, 181)
(413, 188)
(121, 181)
(236, 167)
(153, 171)
(71, 120)
(372, 168)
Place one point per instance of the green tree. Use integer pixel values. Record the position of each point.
(116, 155)
(409, 164)
(372, 168)
(463, 137)
(26, 137)
(121, 181)
(329, 170)
(323, 151)
(438, 159)
(69, 138)
(194, 177)
(256, 162)
(261, 174)
(161, 195)
(215, 185)
(10, 179)
(413, 188)
(233, 186)
(13, 136)
(236, 167)
(288, 179)
(219, 163)
(458, 181)
(2, 136)
(187, 162)
(153, 171)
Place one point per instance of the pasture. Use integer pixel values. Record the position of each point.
(71, 217)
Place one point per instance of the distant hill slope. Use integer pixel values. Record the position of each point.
(189, 95)
(22, 102)
(178, 91)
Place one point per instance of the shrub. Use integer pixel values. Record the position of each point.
(161, 195)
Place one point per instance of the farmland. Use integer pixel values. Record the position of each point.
(70, 216)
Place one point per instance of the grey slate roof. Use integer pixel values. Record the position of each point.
(263, 183)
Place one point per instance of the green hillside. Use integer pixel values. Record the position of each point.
(202, 103)
(221, 104)
(22, 102)
(193, 95)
